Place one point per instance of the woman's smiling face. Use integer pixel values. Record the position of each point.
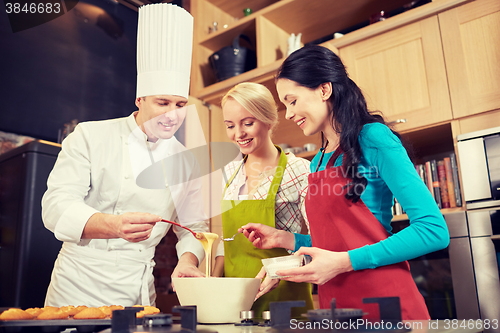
(249, 133)
(308, 108)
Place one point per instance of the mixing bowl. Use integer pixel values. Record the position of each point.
(217, 300)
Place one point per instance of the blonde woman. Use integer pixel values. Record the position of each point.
(267, 187)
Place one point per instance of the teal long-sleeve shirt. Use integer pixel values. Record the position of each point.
(390, 173)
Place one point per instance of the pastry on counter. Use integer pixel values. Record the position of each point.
(15, 314)
(34, 311)
(51, 313)
(148, 310)
(90, 313)
(108, 310)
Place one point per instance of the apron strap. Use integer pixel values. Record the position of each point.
(234, 175)
(278, 175)
(334, 157)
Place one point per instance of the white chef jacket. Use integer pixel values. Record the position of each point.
(96, 171)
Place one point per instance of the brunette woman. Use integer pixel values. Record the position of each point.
(354, 179)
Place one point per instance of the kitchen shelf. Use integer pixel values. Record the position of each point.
(235, 7)
(265, 75)
(270, 26)
(310, 17)
(308, 154)
(222, 38)
(444, 211)
(429, 142)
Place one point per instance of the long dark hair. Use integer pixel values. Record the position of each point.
(314, 65)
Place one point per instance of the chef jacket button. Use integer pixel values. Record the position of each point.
(118, 212)
(126, 177)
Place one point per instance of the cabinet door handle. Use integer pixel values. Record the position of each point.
(398, 121)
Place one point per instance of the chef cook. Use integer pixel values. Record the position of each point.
(95, 203)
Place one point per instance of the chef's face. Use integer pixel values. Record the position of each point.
(160, 116)
(308, 108)
(249, 133)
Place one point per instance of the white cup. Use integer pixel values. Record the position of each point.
(280, 263)
(310, 147)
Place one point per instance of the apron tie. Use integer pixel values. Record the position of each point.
(145, 291)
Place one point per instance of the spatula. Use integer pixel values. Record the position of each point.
(197, 235)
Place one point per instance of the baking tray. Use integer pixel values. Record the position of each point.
(57, 325)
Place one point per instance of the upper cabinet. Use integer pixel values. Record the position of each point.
(269, 26)
(402, 73)
(423, 67)
(471, 43)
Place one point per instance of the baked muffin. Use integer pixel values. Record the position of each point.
(71, 310)
(90, 313)
(34, 311)
(52, 313)
(15, 314)
(108, 310)
(148, 310)
(81, 307)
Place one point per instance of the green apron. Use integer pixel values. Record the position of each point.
(242, 259)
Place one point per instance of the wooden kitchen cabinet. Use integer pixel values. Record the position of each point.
(269, 27)
(479, 122)
(408, 80)
(402, 74)
(399, 63)
(471, 43)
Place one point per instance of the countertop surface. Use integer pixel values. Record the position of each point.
(432, 326)
(423, 326)
(354, 325)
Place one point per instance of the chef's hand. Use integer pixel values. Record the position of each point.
(133, 227)
(266, 237)
(325, 265)
(267, 285)
(187, 267)
(136, 227)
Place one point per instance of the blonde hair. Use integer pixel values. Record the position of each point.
(257, 100)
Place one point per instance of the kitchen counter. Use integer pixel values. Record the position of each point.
(342, 321)
(432, 326)
(423, 326)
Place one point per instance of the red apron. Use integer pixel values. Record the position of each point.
(337, 224)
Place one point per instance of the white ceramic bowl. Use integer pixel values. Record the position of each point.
(217, 300)
(280, 263)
